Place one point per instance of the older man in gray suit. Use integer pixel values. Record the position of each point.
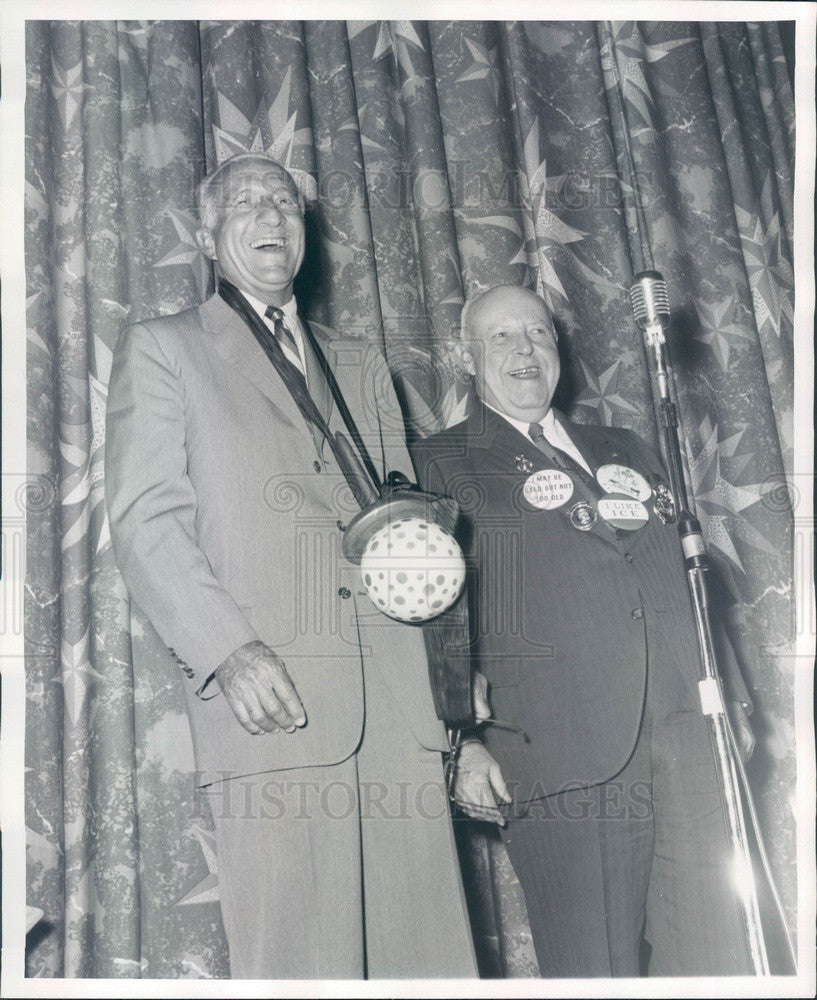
(312, 718)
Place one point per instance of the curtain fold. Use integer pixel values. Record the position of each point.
(437, 158)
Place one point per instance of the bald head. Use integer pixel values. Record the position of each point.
(214, 189)
(508, 343)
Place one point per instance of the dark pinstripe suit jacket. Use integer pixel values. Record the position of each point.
(557, 614)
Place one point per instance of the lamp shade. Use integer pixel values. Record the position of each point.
(413, 569)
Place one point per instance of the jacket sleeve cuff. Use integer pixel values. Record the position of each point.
(206, 657)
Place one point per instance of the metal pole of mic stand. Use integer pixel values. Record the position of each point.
(696, 561)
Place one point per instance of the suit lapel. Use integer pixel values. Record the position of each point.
(318, 386)
(484, 427)
(601, 446)
(237, 345)
(596, 445)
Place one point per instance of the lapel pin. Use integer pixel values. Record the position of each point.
(614, 478)
(548, 489)
(582, 516)
(523, 464)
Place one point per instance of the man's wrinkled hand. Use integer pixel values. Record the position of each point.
(744, 736)
(479, 694)
(258, 689)
(479, 785)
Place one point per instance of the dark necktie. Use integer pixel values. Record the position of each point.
(560, 458)
(283, 332)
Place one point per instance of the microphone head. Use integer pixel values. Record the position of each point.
(649, 298)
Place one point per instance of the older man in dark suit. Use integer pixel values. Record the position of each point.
(312, 717)
(582, 624)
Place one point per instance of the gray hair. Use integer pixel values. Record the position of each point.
(467, 309)
(471, 301)
(209, 188)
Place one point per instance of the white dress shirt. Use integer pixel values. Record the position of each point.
(553, 431)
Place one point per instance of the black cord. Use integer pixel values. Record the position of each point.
(337, 395)
(295, 383)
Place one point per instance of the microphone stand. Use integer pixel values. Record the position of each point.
(710, 691)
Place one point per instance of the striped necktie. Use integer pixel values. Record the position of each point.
(283, 333)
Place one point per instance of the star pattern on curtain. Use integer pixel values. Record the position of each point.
(85, 902)
(393, 38)
(770, 273)
(356, 123)
(206, 890)
(602, 394)
(484, 67)
(83, 476)
(77, 676)
(630, 54)
(549, 230)
(452, 409)
(33, 303)
(271, 131)
(721, 501)
(68, 87)
(99, 534)
(720, 330)
(186, 252)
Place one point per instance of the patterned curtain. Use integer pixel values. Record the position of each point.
(445, 157)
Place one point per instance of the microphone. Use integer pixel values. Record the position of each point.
(650, 301)
(648, 295)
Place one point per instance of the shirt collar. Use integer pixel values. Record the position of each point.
(289, 309)
(548, 422)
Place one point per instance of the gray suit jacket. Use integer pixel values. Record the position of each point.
(226, 519)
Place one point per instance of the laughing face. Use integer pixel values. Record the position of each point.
(256, 235)
(510, 348)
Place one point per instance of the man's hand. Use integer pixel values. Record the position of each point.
(478, 784)
(258, 689)
(479, 694)
(744, 736)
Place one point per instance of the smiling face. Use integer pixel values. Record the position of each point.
(509, 345)
(255, 232)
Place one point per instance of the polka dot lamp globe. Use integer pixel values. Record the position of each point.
(413, 569)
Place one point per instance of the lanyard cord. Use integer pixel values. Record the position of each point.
(295, 383)
(340, 402)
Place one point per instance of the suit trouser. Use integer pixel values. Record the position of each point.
(348, 871)
(642, 854)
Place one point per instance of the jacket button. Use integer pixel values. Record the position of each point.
(341, 525)
(345, 593)
(637, 613)
(628, 556)
(316, 465)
